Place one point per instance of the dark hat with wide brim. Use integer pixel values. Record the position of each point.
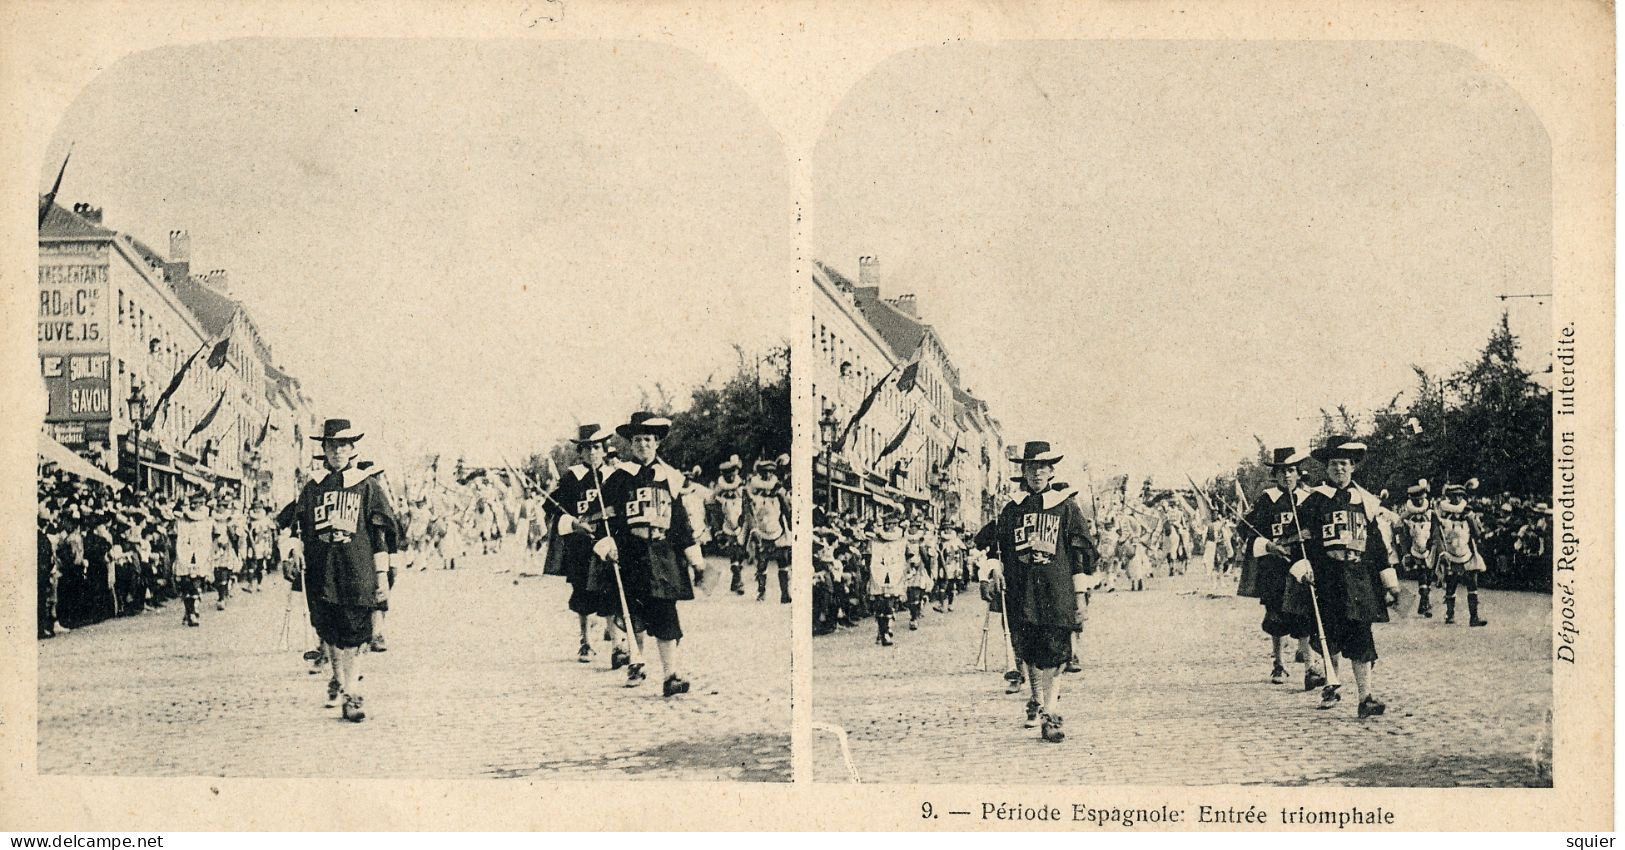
(1286, 456)
(644, 422)
(1034, 451)
(588, 434)
(337, 429)
(1340, 448)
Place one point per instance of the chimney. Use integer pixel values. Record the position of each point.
(907, 304)
(869, 272)
(88, 212)
(179, 264)
(218, 281)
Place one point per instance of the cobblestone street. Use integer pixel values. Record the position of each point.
(1176, 691)
(480, 680)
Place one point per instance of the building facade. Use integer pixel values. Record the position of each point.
(117, 322)
(949, 464)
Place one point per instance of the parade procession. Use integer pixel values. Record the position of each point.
(1308, 583)
(384, 493)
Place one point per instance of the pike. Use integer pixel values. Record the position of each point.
(1314, 601)
(634, 655)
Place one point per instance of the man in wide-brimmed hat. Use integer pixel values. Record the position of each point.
(1349, 562)
(652, 535)
(1457, 540)
(1269, 537)
(770, 524)
(1415, 542)
(578, 521)
(347, 524)
(1047, 560)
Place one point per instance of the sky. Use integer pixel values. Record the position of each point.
(1148, 252)
(463, 247)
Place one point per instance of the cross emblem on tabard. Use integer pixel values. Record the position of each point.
(1338, 528)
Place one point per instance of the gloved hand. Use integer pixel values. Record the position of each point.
(605, 549)
(567, 524)
(1301, 571)
(1390, 583)
(991, 569)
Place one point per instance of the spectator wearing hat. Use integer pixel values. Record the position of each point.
(1417, 521)
(1458, 550)
(770, 524)
(578, 522)
(1349, 562)
(1042, 549)
(1270, 538)
(730, 499)
(346, 522)
(651, 535)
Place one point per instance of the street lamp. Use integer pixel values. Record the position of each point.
(137, 403)
(829, 427)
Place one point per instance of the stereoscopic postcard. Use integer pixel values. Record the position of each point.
(1105, 418)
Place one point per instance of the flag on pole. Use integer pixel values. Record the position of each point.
(50, 197)
(552, 471)
(868, 402)
(265, 430)
(910, 377)
(1241, 498)
(217, 357)
(207, 418)
(174, 384)
(898, 440)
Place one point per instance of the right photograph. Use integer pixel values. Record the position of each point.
(1184, 418)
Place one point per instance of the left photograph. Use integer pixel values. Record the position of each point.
(410, 409)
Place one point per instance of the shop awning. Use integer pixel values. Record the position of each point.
(51, 451)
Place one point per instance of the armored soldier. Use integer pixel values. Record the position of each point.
(651, 535)
(770, 525)
(730, 499)
(1271, 538)
(193, 550)
(1047, 560)
(1416, 522)
(888, 565)
(1351, 566)
(1458, 531)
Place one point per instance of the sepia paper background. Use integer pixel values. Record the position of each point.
(797, 61)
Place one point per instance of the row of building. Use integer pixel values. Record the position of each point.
(118, 321)
(950, 464)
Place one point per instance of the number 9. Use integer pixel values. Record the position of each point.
(925, 811)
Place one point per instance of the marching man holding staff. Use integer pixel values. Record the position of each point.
(1042, 548)
(649, 529)
(1350, 566)
(347, 524)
